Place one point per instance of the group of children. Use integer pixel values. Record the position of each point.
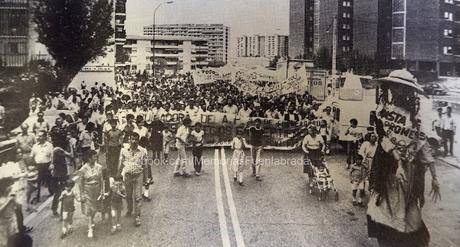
(111, 203)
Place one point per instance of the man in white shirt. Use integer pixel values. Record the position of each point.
(244, 112)
(438, 123)
(2, 114)
(230, 108)
(448, 129)
(181, 141)
(42, 156)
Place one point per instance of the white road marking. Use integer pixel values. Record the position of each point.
(220, 203)
(231, 203)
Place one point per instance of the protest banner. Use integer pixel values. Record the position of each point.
(220, 128)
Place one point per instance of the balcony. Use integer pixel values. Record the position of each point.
(166, 55)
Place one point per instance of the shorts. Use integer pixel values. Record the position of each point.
(358, 185)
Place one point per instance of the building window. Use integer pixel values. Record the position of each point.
(346, 15)
(448, 33)
(346, 37)
(447, 50)
(346, 26)
(346, 3)
(345, 48)
(448, 16)
(449, 1)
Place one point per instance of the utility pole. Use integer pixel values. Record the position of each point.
(334, 54)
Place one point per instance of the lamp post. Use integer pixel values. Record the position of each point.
(153, 34)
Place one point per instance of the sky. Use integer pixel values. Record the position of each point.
(244, 17)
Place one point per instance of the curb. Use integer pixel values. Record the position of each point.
(450, 162)
(44, 205)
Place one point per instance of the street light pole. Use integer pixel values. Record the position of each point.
(153, 34)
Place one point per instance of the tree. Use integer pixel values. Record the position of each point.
(323, 59)
(75, 33)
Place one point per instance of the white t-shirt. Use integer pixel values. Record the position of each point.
(237, 143)
(198, 136)
(449, 123)
(313, 143)
(182, 134)
(42, 153)
(142, 131)
(231, 109)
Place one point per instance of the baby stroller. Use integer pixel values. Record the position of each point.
(322, 183)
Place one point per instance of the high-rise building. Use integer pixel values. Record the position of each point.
(120, 32)
(262, 46)
(420, 36)
(14, 32)
(311, 27)
(301, 14)
(217, 36)
(174, 53)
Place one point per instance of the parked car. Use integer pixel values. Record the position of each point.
(435, 89)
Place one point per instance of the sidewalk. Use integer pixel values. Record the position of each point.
(451, 160)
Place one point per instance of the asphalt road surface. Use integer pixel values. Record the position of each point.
(212, 210)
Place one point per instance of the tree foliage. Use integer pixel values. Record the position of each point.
(74, 31)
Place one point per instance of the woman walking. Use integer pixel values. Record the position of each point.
(90, 187)
(397, 178)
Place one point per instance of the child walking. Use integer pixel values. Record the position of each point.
(68, 207)
(168, 142)
(358, 174)
(118, 194)
(238, 158)
(197, 148)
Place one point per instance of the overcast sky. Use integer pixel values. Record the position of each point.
(242, 16)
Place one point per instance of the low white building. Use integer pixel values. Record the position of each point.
(173, 53)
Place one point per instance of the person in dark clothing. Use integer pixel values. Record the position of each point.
(113, 140)
(256, 142)
(59, 175)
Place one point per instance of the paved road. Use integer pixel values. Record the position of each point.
(213, 211)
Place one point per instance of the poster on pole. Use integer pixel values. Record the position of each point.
(317, 82)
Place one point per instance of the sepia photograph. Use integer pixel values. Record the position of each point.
(233, 123)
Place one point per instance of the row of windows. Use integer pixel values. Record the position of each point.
(448, 16)
(346, 15)
(346, 26)
(447, 50)
(346, 37)
(346, 3)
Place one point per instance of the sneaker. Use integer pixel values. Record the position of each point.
(258, 178)
(150, 181)
(137, 221)
(234, 179)
(63, 234)
(197, 173)
(177, 174)
(118, 227)
(241, 183)
(361, 204)
(186, 175)
(90, 233)
(253, 171)
(355, 203)
(69, 230)
(113, 230)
